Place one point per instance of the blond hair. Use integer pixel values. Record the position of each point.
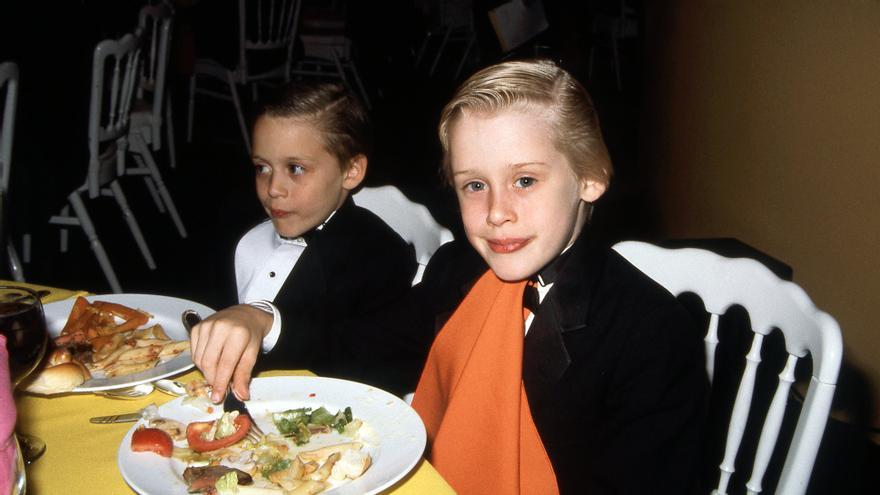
(535, 86)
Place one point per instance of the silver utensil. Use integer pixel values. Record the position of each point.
(129, 393)
(191, 318)
(170, 387)
(120, 418)
(233, 403)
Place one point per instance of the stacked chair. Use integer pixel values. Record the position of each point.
(116, 80)
(152, 108)
(266, 27)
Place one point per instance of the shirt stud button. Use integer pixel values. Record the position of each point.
(272, 274)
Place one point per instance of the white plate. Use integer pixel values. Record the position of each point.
(166, 312)
(400, 434)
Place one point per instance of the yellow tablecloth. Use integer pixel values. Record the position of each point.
(81, 456)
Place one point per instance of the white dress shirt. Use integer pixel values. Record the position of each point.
(263, 261)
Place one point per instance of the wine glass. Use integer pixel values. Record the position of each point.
(16, 481)
(24, 326)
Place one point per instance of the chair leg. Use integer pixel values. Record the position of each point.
(14, 263)
(190, 108)
(132, 224)
(360, 85)
(97, 248)
(467, 51)
(62, 246)
(422, 47)
(340, 69)
(169, 129)
(442, 47)
(151, 186)
(235, 101)
(139, 147)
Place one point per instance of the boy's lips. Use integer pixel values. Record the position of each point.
(278, 213)
(506, 245)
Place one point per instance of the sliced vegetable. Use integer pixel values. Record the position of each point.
(203, 435)
(152, 440)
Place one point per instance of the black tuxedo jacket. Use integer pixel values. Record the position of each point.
(614, 371)
(333, 303)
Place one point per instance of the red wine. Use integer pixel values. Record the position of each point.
(26, 337)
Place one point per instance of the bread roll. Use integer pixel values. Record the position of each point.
(58, 379)
(58, 356)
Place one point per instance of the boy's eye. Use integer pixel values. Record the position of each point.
(474, 186)
(296, 169)
(261, 169)
(525, 182)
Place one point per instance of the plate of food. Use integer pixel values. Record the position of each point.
(112, 341)
(322, 435)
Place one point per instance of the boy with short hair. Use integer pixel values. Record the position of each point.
(312, 279)
(605, 394)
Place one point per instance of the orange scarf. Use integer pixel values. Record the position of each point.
(471, 397)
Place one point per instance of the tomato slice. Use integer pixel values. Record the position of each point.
(152, 440)
(195, 434)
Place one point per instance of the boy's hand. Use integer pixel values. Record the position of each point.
(225, 346)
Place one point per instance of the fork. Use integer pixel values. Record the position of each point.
(233, 403)
(191, 318)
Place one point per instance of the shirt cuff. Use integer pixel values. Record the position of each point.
(271, 338)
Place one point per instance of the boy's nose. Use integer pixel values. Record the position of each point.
(277, 186)
(500, 209)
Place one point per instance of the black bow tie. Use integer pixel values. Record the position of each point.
(305, 236)
(531, 300)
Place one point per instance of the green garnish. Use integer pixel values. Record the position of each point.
(277, 465)
(295, 423)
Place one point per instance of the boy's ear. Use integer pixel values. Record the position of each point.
(354, 174)
(591, 190)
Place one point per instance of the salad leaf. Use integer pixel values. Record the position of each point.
(295, 422)
(227, 484)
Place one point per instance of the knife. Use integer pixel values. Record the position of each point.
(116, 418)
(125, 418)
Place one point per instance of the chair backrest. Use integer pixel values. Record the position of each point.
(412, 221)
(771, 304)
(265, 25)
(114, 80)
(154, 27)
(8, 83)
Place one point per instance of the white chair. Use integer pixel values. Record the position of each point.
(112, 92)
(264, 26)
(9, 82)
(771, 303)
(327, 52)
(412, 221)
(152, 109)
(453, 23)
(608, 30)
(145, 128)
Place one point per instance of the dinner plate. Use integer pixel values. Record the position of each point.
(395, 447)
(166, 312)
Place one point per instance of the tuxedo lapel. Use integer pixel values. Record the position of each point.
(562, 319)
(545, 357)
